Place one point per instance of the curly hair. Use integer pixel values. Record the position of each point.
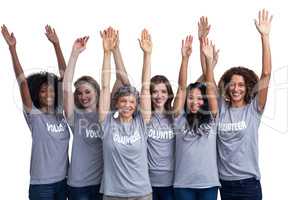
(162, 79)
(250, 78)
(203, 116)
(35, 81)
(90, 80)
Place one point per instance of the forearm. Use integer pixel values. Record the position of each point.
(17, 65)
(121, 73)
(60, 59)
(21, 79)
(211, 87)
(104, 100)
(106, 74)
(70, 70)
(202, 59)
(266, 57)
(145, 91)
(182, 79)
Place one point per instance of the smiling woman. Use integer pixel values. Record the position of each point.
(50, 134)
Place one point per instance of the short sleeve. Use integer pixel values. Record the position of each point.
(254, 104)
(29, 115)
(141, 123)
(106, 123)
(179, 121)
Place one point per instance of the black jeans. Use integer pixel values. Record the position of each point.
(246, 189)
(53, 191)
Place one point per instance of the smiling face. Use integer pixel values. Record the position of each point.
(237, 90)
(126, 106)
(86, 96)
(46, 96)
(194, 100)
(159, 96)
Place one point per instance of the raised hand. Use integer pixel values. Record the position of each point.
(109, 39)
(116, 47)
(263, 24)
(9, 37)
(51, 34)
(207, 48)
(186, 46)
(145, 41)
(203, 27)
(215, 56)
(80, 44)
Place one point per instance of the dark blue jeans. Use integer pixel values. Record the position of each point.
(163, 193)
(246, 189)
(84, 193)
(53, 191)
(196, 194)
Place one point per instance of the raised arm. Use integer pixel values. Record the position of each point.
(24, 90)
(109, 38)
(53, 38)
(208, 52)
(263, 26)
(203, 31)
(186, 51)
(78, 46)
(121, 73)
(146, 46)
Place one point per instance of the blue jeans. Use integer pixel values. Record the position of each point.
(163, 193)
(196, 194)
(53, 191)
(246, 189)
(84, 193)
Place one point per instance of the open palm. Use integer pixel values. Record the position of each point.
(9, 37)
(203, 27)
(51, 34)
(186, 46)
(145, 41)
(109, 39)
(263, 24)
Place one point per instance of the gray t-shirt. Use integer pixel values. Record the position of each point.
(125, 158)
(161, 150)
(238, 141)
(86, 167)
(50, 142)
(196, 155)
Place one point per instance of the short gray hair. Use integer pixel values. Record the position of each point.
(126, 90)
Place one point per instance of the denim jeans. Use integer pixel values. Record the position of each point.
(196, 194)
(84, 193)
(163, 193)
(246, 189)
(53, 191)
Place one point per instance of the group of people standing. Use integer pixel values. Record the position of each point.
(140, 145)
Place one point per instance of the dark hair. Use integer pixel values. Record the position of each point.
(162, 79)
(125, 90)
(250, 78)
(203, 116)
(90, 80)
(35, 81)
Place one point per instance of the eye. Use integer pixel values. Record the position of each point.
(164, 91)
(241, 84)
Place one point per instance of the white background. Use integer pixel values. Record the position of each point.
(232, 30)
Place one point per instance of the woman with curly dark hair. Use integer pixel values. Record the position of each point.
(241, 109)
(40, 94)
